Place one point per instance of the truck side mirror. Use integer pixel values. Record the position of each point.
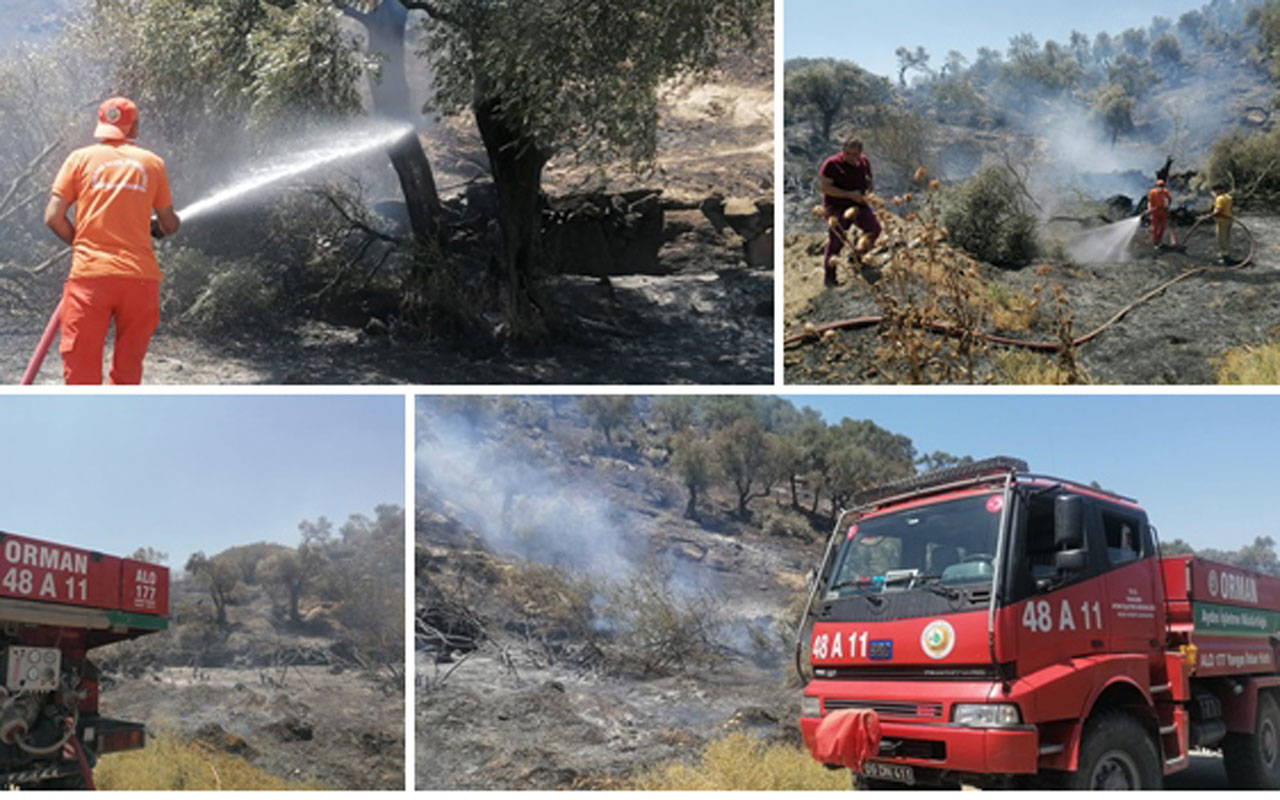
(1069, 560)
(1068, 522)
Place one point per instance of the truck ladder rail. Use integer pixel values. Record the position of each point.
(934, 482)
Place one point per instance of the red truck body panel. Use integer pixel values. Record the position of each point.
(1228, 613)
(31, 569)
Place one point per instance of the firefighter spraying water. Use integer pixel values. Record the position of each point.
(115, 187)
(989, 626)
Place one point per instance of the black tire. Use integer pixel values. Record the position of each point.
(1253, 760)
(1116, 752)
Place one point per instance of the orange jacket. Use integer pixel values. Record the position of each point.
(1158, 200)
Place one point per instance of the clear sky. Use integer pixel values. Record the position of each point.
(868, 33)
(1204, 467)
(187, 473)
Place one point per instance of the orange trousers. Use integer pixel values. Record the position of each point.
(88, 306)
(1159, 220)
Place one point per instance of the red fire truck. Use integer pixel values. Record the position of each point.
(56, 604)
(1012, 629)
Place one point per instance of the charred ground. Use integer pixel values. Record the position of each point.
(1039, 118)
(318, 699)
(575, 628)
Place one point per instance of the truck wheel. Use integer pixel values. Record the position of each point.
(1253, 760)
(1116, 752)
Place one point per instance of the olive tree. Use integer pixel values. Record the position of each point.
(548, 77)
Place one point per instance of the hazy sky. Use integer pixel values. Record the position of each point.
(187, 473)
(1204, 467)
(868, 33)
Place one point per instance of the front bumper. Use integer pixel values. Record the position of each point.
(934, 744)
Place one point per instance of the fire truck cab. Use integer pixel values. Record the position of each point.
(1013, 629)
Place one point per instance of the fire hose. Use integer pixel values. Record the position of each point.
(948, 329)
(42, 348)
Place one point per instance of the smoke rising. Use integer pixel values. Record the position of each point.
(511, 498)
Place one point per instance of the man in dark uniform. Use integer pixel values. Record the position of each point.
(845, 180)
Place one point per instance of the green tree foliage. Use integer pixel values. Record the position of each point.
(1113, 107)
(909, 60)
(1104, 48)
(580, 77)
(939, 459)
(693, 459)
(746, 454)
(1259, 556)
(1192, 26)
(288, 574)
(219, 576)
(1266, 19)
(204, 71)
(1135, 76)
(149, 555)
(1166, 54)
(901, 139)
(825, 91)
(674, 412)
(1134, 41)
(988, 217)
(1248, 163)
(608, 413)
(1176, 548)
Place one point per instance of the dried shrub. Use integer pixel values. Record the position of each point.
(777, 520)
(551, 609)
(234, 300)
(658, 628)
(740, 762)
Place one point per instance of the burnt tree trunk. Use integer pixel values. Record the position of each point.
(691, 508)
(385, 26)
(517, 165)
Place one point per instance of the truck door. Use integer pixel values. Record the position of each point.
(1131, 609)
(1050, 616)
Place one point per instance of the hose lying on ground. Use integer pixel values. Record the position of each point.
(1031, 344)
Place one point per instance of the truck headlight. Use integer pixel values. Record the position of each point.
(810, 706)
(986, 715)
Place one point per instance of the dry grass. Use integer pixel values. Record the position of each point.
(170, 763)
(740, 762)
(1250, 366)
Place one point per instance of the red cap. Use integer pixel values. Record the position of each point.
(116, 116)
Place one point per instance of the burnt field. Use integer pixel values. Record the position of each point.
(575, 629)
(1177, 336)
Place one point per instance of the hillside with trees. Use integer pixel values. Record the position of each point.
(1019, 158)
(290, 658)
(607, 586)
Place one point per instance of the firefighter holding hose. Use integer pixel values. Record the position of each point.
(115, 186)
(1222, 217)
(1158, 208)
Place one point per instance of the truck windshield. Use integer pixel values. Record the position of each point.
(952, 543)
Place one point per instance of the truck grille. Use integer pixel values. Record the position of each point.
(887, 708)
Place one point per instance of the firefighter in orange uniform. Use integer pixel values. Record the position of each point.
(115, 186)
(1158, 208)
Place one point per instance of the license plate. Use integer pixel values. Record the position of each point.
(889, 772)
